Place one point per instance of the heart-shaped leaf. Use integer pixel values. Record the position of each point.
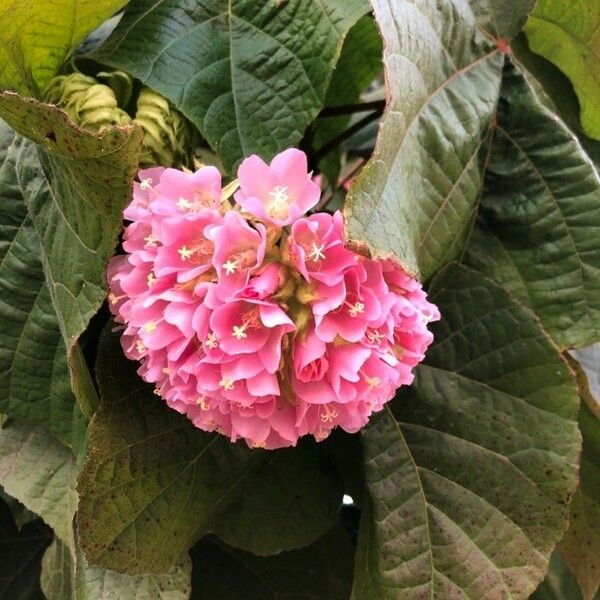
(470, 470)
(250, 75)
(34, 377)
(443, 63)
(76, 184)
(152, 484)
(539, 217)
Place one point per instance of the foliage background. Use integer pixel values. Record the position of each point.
(481, 480)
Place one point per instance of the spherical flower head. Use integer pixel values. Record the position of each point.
(261, 324)
(278, 193)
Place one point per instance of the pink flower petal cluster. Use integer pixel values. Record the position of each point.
(253, 319)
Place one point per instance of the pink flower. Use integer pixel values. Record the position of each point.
(317, 248)
(256, 330)
(188, 193)
(239, 251)
(186, 244)
(278, 193)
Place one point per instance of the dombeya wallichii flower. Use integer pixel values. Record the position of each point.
(258, 321)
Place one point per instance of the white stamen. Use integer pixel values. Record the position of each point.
(184, 204)
(372, 382)
(139, 346)
(278, 208)
(150, 241)
(202, 403)
(329, 414)
(150, 279)
(146, 184)
(230, 266)
(211, 341)
(316, 252)
(279, 194)
(356, 308)
(239, 331)
(226, 383)
(114, 299)
(374, 336)
(185, 253)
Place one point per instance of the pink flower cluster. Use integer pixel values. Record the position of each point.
(253, 319)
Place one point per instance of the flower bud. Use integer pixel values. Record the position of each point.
(168, 138)
(88, 103)
(120, 83)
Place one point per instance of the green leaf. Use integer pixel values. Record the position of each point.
(62, 579)
(21, 552)
(557, 91)
(359, 64)
(539, 217)
(567, 33)
(152, 484)
(38, 37)
(250, 75)
(470, 469)
(321, 571)
(580, 547)
(39, 471)
(417, 195)
(559, 583)
(34, 377)
(75, 202)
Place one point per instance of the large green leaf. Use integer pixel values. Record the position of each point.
(417, 195)
(153, 484)
(66, 579)
(37, 37)
(21, 552)
(34, 377)
(39, 471)
(471, 468)
(580, 547)
(321, 571)
(567, 33)
(75, 201)
(558, 91)
(250, 75)
(539, 217)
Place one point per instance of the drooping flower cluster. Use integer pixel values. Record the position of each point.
(254, 319)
